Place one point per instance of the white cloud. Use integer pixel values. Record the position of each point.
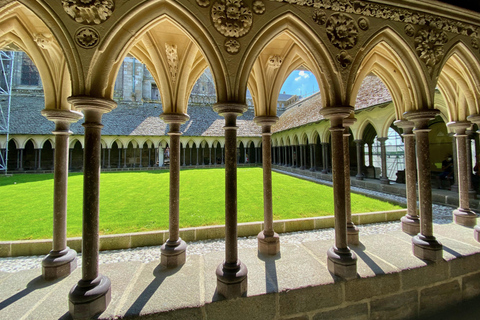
(302, 75)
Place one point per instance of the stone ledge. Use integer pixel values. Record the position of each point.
(156, 238)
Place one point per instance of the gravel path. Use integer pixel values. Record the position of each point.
(442, 215)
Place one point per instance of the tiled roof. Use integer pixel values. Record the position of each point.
(372, 92)
(305, 111)
(128, 119)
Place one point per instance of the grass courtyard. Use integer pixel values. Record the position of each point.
(138, 201)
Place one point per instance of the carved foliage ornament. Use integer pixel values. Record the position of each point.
(87, 37)
(275, 61)
(42, 40)
(389, 13)
(232, 46)
(342, 31)
(429, 46)
(231, 18)
(89, 11)
(172, 59)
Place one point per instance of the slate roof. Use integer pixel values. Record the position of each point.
(128, 119)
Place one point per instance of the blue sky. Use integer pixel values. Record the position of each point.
(301, 83)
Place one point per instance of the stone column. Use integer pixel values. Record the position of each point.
(232, 273)
(454, 186)
(471, 191)
(360, 145)
(109, 151)
(125, 157)
(119, 157)
(462, 215)
(341, 261)
(210, 160)
(173, 251)
(370, 155)
(475, 118)
(325, 146)
(425, 245)
(91, 295)
(61, 260)
(268, 239)
(383, 156)
(411, 221)
(140, 150)
(352, 229)
(39, 159)
(184, 162)
(312, 157)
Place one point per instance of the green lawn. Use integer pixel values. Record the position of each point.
(138, 201)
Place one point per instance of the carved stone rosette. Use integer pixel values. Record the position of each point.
(89, 11)
(342, 31)
(429, 45)
(87, 37)
(231, 18)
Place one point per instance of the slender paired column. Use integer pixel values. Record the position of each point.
(454, 186)
(360, 145)
(268, 239)
(173, 251)
(92, 294)
(462, 215)
(312, 157)
(39, 159)
(61, 260)
(411, 221)
(471, 191)
(232, 273)
(425, 245)
(352, 229)
(341, 261)
(383, 156)
(184, 164)
(475, 118)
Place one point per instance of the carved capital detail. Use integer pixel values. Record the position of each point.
(89, 11)
(429, 45)
(342, 31)
(44, 41)
(87, 37)
(172, 59)
(274, 62)
(344, 59)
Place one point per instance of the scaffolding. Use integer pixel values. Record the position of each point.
(6, 81)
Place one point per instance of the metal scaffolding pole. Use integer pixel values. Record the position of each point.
(6, 81)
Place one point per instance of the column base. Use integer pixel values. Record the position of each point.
(464, 217)
(384, 181)
(476, 233)
(88, 298)
(313, 169)
(359, 177)
(427, 248)
(58, 264)
(269, 245)
(353, 234)
(410, 225)
(342, 263)
(173, 254)
(324, 171)
(232, 279)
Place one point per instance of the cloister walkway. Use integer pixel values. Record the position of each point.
(391, 283)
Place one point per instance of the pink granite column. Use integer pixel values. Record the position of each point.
(462, 215)
(268, 239)
(61, 260)
(341, 261)
(352, 229)
(232, 273)
(411, 221)
(425, 245)
(173, 251)
(91, 295)
(471, 191)
(475, 118)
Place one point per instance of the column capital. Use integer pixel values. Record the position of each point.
(178, 118)
(359, 141)
(350, 120)
(98, 105)
(68, 116)
(459, 127)
(421, 117)
(406, 126)
(382, 139)
(265, 120)
(225, 108)
(475, 118)
(341, 112)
